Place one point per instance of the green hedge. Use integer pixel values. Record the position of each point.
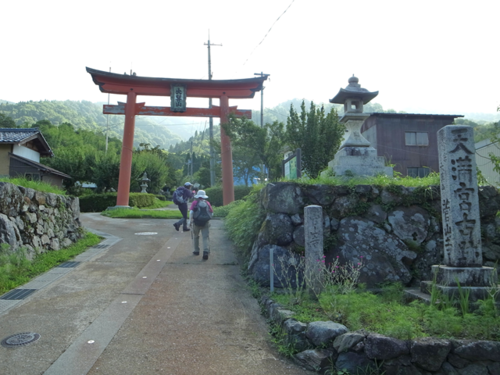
(215, 194)
(100, 202)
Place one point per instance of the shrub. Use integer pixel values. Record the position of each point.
(215, 194)
(100, 202)
(243, 222)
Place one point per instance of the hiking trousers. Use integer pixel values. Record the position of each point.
(183, 208)
(205, 236)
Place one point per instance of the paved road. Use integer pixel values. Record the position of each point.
(142, 305)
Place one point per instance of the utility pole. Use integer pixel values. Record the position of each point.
(192, 161)
(262, 166)
(261, 99)
(212, 156)
(107, 126)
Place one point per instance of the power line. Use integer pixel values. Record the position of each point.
(268, 32)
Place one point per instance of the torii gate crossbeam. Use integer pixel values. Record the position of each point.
(132, 86)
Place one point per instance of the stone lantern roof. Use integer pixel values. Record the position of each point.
(353, 96)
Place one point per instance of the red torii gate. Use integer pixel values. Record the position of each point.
(132, 86)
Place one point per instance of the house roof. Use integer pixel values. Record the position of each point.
(16, 136)
(40, 167)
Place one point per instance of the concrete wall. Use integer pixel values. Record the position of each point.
(484, 163)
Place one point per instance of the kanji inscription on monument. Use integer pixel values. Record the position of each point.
(459, 197)
(313, 232)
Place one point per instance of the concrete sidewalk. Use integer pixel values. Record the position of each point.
(144, 305)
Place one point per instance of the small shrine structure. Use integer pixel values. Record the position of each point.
(356, 155)
(178, 90)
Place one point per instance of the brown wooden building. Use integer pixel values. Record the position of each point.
(407, 140)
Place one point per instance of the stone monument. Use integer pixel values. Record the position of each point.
(356, 154)
(313, 235)
(463, 259)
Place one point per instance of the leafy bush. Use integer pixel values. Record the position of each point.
(215, 194)
(100, 202)
(97, 202)
(222, 211)
(244, 220)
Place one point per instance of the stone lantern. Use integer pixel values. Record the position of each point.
(356, 154)
(144, 181)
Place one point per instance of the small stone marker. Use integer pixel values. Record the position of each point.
(459, 197)
(313, 231)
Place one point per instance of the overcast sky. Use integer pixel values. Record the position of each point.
(436, 56)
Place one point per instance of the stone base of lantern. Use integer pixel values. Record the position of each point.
(359, 161)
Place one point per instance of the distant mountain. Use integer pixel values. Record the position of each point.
(87, 115)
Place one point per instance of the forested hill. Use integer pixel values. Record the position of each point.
(88, 116)
(199, 143)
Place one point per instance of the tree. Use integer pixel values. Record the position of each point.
(317, 134)
(248, 142)
(273, 149)
(6, 121)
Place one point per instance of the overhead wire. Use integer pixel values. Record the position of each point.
(251, 53)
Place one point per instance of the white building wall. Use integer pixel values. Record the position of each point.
(484, 163)
(26, 152)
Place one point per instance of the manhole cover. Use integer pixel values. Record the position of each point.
(20, 339)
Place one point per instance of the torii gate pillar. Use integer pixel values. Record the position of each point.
(133, 85)
(127, 150)
(226, 154)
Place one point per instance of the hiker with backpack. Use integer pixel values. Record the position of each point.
(200, 214)
(181, 197)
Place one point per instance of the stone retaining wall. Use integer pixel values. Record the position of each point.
(397, 230)
(37, 221)
(326, 344)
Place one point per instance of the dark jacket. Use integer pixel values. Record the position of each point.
(186, 193)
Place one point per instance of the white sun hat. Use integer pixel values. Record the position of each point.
(201, 194)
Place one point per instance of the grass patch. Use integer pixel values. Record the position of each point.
(16, 270)
(36, 185)
(386, 314)
(307, 311)
(135, 213)
(380, 180)
(159, 204)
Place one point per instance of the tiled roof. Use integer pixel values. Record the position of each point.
(16, 135)
(24, 135)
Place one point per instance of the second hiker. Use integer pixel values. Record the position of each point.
(180, 198)
(200, 214)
